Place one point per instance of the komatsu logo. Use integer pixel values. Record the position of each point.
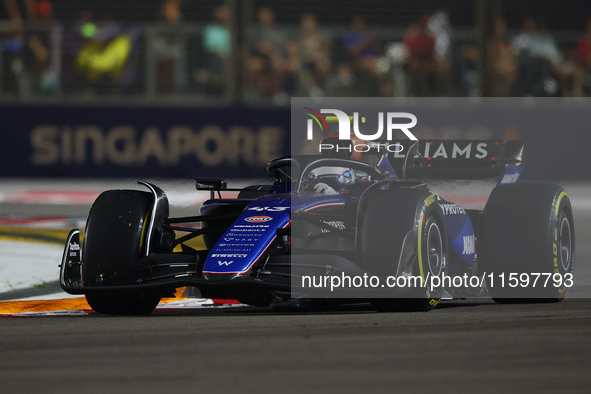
(469, 246)
(511, 175)
(510, 178)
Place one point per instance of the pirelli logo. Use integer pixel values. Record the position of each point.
(429, 200)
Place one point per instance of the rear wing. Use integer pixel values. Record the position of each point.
(457, 159)
(437, 159)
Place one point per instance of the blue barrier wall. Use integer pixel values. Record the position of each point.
(183, 142)
(78, 141)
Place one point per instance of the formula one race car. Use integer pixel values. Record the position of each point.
(362, 209)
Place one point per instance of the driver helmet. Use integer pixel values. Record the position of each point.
(339, 178)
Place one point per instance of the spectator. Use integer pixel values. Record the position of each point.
(263, 84)
(584, 47)
(503, 60)
(293, 78)
(28, 55)
(440, 28)
(522, 41)
(170, 46)
(538, 60)
(268, 58)
(216, 35)
(584, 59)
(543, 45)
(315, 54)
(268, 40)
(421, 63)
(217, 43)
(45, 74)
(341, 84)
(361, 53)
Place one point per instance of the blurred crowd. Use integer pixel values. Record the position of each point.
(427, 60)
(42, 56)
(531, 63)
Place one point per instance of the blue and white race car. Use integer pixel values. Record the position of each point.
(341, 215)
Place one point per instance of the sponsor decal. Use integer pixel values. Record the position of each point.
(244, 235)
(509, 178)
(238, 256)
(446, 150)
(452, 150)
(429, 200)
(452, 209)
(511, 175)
(74, 246)
(338, 224)
(226, 263)
(258, 219)
(270, 209)
(469, 246)
(246, 230)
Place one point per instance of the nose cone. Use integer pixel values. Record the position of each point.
(247, 240)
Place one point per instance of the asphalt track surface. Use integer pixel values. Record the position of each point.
(463, 346)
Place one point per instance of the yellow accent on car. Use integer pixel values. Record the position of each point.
(144, 228)
(558, 202)
(429, 200)
(419, 248)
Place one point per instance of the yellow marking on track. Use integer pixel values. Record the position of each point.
(44, 305)
(25, 234)
(66, 304)
(179, 292)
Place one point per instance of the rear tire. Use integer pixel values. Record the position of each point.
(527, 228)
(114, 241)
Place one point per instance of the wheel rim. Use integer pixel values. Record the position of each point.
(435, 256)
(565, 243)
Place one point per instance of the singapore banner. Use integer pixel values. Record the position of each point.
(140, 141)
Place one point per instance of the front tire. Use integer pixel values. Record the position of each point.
(432, 261)
(404, 226)
(123, 303)
(115, 238)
